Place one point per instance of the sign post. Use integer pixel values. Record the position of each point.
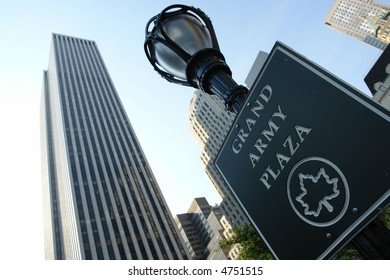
(307, 157)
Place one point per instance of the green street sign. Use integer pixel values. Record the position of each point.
(307, 157)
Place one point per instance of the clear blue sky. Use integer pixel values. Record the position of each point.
(157, 109)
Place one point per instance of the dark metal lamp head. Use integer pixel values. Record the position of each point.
(182, 47)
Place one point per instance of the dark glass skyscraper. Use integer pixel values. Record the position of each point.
(101, 198)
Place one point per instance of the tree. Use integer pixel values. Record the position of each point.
(384, 217)
(251, 246)
(348, 253)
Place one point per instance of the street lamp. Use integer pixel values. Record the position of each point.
(182, 47)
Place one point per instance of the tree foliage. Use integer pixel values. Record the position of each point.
(348, 253)
(384, 217)
(251, 246)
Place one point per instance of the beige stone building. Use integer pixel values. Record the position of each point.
(364, 20)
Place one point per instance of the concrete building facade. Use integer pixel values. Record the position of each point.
(101, 199)
(202, 228)
(365, 20)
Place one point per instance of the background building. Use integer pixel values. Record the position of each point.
(202, 227)
(101, 200)
(365, 20)
(255, 69)
(193, 228)
(209, 124)
(378, 79)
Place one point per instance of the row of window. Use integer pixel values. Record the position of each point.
(104, 158)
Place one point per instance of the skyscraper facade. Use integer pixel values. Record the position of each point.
(202, 227)
(364, 20)
(209, 123)
(101, 200)
(193, 227)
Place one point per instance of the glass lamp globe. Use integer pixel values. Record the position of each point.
(181, 45)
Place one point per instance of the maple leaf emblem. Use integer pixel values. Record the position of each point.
(329, 191)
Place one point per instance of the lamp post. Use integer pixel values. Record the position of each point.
(182, 47)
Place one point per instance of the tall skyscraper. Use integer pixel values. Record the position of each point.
(365, 20)
(209, 123)
(101, 198)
